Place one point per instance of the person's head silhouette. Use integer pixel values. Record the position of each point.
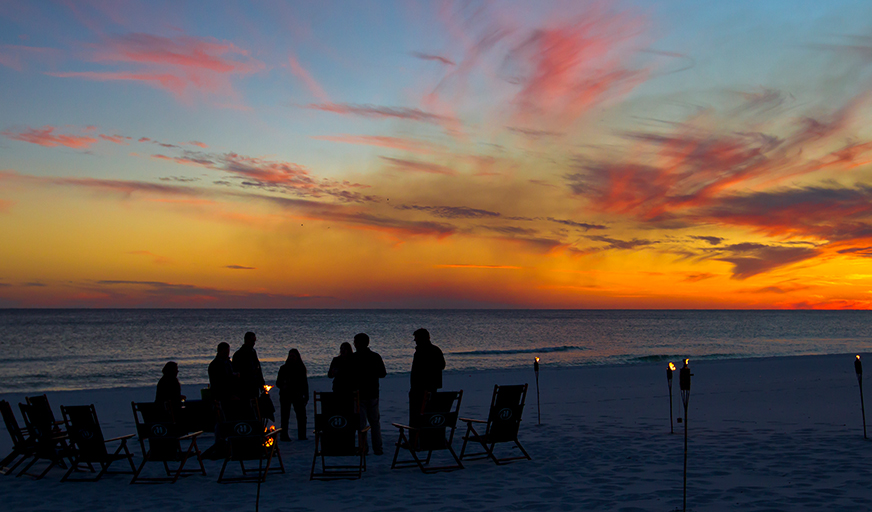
(361, 340)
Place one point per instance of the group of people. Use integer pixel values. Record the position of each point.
(240, 378)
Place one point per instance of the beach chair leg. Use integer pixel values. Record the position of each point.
(72, 468)
(223, 467)
(137, 471)
(456, 459)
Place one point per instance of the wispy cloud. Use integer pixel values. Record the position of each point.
(239, 267)
(376, 111)
(47, 136)
(311, 84)
(484, 267)
(451, 212)
(404, 144)
(431, 57)
(177, 64)
(417, 166)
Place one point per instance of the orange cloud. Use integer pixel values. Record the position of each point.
(493, 267)
(416, 166)
(47, 137)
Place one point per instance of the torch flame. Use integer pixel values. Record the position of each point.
(672, 366)
(537, 359)
(270, 440)
(686, 361)
(267, 388)
(858, 357)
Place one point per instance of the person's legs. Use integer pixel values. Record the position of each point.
(372, 415)
(285, 405)
(300, 411)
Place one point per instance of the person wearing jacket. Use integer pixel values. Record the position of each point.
(293, 391)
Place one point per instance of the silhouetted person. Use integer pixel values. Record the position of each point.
(293, 390)
(426, 375)
(246, 364)
(369, 368)
(342, 370)
(222, 379)
(169, 390)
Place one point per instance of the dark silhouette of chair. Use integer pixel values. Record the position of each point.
(338, 434)
(242, 410)
(248, 441)
(89, 445)
(162, 440)
(41, 413)
(23, 447)
(503, 422)
(49, 443)
(431, 430)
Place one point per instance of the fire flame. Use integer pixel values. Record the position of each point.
(537, 359)
(686, 361)
(672, 366)
(267, 388)
(858, 357)
(270, 440)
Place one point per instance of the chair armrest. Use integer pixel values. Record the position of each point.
(365, 429)
(119, 438)
(273, 433)
(192, 435)
(468, 420)
(401, 426)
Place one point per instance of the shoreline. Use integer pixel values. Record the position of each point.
(765, 434)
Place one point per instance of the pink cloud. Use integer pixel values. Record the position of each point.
(117, 139)
(198, 144)
(174, 64)
(565, 70)
(47, 137)
(311, 84)
(411, 145)
(377, 111)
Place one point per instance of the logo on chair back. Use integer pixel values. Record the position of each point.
(505, 414)
(86, 434)
(158, 430)
(337, 422)
(437, 420)
(242, 429)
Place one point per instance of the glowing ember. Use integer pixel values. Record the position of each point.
(270, 440)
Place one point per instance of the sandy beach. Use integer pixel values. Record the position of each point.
(764, 435)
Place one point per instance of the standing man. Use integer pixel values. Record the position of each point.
(247, 365)
(426, 375)
(369, 368)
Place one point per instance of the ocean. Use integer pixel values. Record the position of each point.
(68, 349)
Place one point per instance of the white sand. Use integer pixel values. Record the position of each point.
(765, 434)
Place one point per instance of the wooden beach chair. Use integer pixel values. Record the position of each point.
(41, 413)
(243, 410)
(503, 422)
(89, 445)
(23, 447)
(162, 440)
(431, 430)
(248, 441)
(338, 435)
(49, 444)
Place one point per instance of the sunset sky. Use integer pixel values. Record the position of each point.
(668, 154)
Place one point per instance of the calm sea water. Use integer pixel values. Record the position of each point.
(46, 350)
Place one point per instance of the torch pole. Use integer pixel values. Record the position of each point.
(684, 384)
(669, 384)
(538, 407)
(858, 367)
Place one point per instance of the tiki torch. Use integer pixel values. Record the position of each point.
(538, 408)
(858, 367)
(669, 370)
(684, 383)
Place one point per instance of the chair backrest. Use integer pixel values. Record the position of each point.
(40, 411)
(504, 418)
(18, 439)
(39, 426)
(246, 439)
(155, 425)
(83, 429)
(437, 421)
(337, 422)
